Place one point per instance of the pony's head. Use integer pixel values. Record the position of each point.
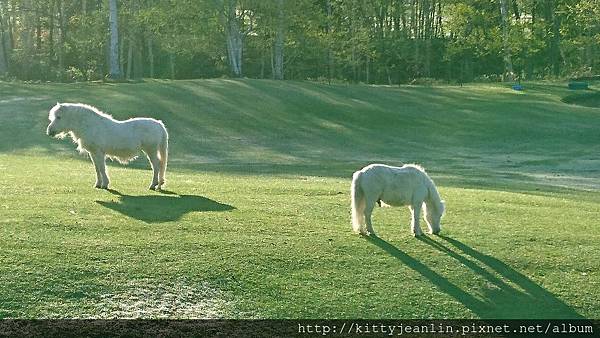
(433, 214)
(59, 121)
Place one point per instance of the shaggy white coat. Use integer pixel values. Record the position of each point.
(395, 186)
(101, 136)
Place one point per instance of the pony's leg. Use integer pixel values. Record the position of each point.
(98, 175)
(163, 153)
(370, 204)
(155, 163)
(99, 160)
(415, 210)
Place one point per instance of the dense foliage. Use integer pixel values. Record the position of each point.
(371, 41)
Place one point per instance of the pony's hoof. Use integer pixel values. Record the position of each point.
(417, 234)
(437, 232)
(371, 233)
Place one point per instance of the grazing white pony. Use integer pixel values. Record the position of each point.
(100, 135)
(395, 186)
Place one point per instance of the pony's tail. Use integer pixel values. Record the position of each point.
(163, 154)
(358, 202)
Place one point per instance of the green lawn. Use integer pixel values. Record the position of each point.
(255, 222)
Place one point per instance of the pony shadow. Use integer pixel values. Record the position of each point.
(507, 294)
(166, 207)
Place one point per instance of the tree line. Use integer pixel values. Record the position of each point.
(369, 41)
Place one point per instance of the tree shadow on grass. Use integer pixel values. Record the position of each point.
(165, 207)
(507, 294)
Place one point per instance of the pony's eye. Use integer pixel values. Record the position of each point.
(58, 117)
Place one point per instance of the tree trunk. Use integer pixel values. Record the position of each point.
(553, 28)
(427, 35)
(272, 62)
(61, 39)
(10, 23)
(449, 71)
(417, 60)
(508, 74)
(234, 48)
(26, 35)
(129, 57)
(172, 65)
(439, 28)
(329, 49)
(122, 59)
(150, 55)
(589, 53)
(556, 52)
(38, 31)
(388, 75)
(530, 60)
(115, 70)
(3, 44)
(51, 33)
(416, 36)
(138, 63)
(3, 63)
(279, 40)
(354, 65)
(262, 64)
(234, 38)
(367, 70)
(353, 56)
(515, 7)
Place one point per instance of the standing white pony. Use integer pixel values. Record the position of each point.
(100, 135)
(395, 186)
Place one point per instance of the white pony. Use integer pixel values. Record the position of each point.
(100, 135)
(395, 186)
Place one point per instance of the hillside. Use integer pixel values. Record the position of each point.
(464, 132)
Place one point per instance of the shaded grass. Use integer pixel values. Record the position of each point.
(161, 208)
(257, 212)
(587, 99)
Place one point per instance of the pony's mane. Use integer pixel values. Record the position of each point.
(433, 192)
(78, 107)
(416, 166)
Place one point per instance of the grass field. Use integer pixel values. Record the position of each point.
(255, 222)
